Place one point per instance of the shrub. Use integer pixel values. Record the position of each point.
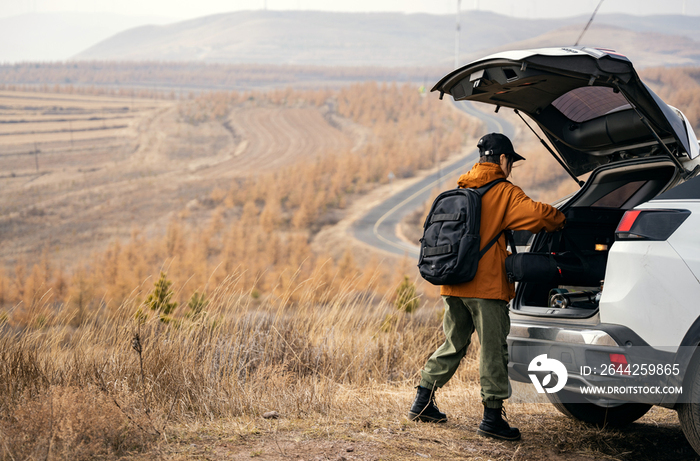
(406, 296)
(197, 303)
(159, 299)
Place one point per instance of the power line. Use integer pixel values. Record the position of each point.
(589, 23)
(457, 31)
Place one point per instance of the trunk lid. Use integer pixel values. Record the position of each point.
(587, 101)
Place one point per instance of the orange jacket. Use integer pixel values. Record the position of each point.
(504, 206)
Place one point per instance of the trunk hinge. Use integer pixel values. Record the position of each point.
(684, 172)
(549, 149)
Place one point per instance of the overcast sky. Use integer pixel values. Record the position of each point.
(186, 9)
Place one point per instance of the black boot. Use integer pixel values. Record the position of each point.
(493, 425)
(424, 408)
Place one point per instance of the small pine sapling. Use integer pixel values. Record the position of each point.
(159, 299)
(197, 303)
(406, 296)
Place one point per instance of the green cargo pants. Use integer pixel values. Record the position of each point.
(490, 319)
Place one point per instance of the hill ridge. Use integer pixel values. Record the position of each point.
(362, 39)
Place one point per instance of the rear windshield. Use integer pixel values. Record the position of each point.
(589, 102)
(618, 197)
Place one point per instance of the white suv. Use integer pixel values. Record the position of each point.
(615, 296)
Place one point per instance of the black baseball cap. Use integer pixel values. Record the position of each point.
(497, 144)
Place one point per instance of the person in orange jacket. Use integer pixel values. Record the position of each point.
(482, 303)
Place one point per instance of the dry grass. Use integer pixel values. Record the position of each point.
(240, 357)
(68, 422)
(339, 372)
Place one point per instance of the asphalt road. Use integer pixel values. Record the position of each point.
(378, 226)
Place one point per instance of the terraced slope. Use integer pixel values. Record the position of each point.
(78, 171)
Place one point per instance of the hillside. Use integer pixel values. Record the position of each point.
(386, 39)
(314, 38)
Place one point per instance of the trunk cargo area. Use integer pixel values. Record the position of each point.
(563, 273)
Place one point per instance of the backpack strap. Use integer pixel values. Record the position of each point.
(435, 251)
(446, 217)
(511, 241)
(486, 187)
(489, 245)
(509, 234)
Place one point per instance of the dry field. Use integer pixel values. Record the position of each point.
(339, 375)
(78, 171)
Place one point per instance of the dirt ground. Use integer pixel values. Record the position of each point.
(375, 428)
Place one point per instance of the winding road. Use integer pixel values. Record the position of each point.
(378, 227)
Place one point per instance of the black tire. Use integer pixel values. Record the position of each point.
(689, 413)
(578, 407)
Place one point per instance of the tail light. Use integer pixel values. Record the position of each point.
(619, 361)
(650, 224)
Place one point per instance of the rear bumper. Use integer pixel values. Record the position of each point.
(585, 353)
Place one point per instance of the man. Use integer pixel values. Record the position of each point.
(482, 303)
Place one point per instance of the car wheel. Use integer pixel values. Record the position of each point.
(602, 413)
(689, 413)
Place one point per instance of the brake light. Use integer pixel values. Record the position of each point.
(627, 221)
(619, 361)
(650, 224)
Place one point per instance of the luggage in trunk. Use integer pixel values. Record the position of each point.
(563, 268)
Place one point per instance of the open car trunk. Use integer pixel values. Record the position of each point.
(573, 262)
(590, 104)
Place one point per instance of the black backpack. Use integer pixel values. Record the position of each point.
(449, 249)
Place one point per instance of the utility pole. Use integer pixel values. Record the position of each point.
(435, 134)
(457, 29)
(36, 157)
(70, 127)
